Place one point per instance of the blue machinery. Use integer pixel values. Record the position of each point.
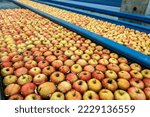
(95, 8)
(120, 49)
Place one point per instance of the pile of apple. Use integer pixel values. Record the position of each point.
(134, 39)
(40, 59)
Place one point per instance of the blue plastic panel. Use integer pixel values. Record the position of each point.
(120, 49)
(142, 28)
(93, 8)
(116, 3)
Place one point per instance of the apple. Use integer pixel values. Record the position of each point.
(51, 58)
(113, 67)
(147, 92)
(7, 71)
(73, 95)
(74, 57)
(105, 56)
(46, 89)
(48, 70)
(12, 89)
(69, 62)
(135, 66)
(90, 95)
(10, 79)
(95, 56)
(89, 68)
(58, 52)
(98, 75)
(57, 96)
(146, 73)
(123, 83)
(28, 88)
(71, 77)
(57, 77)
(43, 49)
(20, 71)
(80, 86)
(110, 84)
(27, 58)
(101, 68)
(68, 53)
(64, 86)
(105, 94)
(146, 82)
(136, 93)
(111, 74)
(64, 69)
(23, 79)
(34, 71)
(136, 74)
(33, 96)
(76, 68)
(103, 61)
(113, 61)
(121, 95)
(124, 67)
(37, 53)
(137, 83)
(17, 58)
(94, 85)
(16, 97)
(47, 53)
(26, 53)
(39, 58)
(39, 79)
(62, 58)
(5, 59)
(85, 56)
(30, 64)
(122, 60)
(5, 64)
(124, 74)
(81, 62)
(85, 75)
(43, 64)
(78, 52)
(114, 55)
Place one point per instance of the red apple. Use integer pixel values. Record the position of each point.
(89, 68)
(101, 68)
(30, 64)
(147, 92)
(135, 66)
(110, 84)
(48, 70)
(146, 82)
(136, 93)
(57, 63)
(98, 75)
(69, 62)
(21, 71)
(85, 75)
(43, 64)
(39, 79)
(34, 71)
(80, 86)
(81, 62)
(137, 83)
(12, 89)
(124, 67)
(16, 97)
(71, 77)
(27, 89)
